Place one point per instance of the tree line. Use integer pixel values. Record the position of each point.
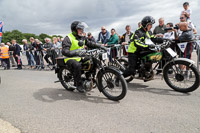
(7, 36)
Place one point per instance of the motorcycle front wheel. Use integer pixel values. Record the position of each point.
(181, 76)
(112, 84)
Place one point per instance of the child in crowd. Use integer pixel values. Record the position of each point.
(187, 11)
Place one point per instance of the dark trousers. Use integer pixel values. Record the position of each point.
(46, 57)
(188, 51)
(75, 68)
(19, 62)
(113, 54)
(6, 63)
(132, 61)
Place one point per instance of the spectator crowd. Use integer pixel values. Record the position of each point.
(36, 52)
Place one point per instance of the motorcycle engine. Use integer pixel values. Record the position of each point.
(149, 75)
(88, 85)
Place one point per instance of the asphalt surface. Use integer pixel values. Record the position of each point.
(33, 103)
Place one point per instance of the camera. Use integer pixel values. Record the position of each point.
(170, 28)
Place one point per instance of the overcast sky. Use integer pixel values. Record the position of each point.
(55, 16)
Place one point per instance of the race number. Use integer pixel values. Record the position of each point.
(104, 56)
(108, 51)
(171, 52)
(126, 48)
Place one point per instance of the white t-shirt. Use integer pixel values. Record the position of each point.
(169, 35)
(189, 11)
(191, 25)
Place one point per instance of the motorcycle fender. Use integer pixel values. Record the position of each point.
(185, 59)
(111, 68)
(181, 59)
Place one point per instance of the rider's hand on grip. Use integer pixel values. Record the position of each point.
(152, 45)
(81, 53)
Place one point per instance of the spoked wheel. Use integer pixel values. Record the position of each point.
(113, 89)
(66, 79)
(125, 65)
(181, 76)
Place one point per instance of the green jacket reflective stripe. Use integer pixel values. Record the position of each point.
(138, 41)
(74, 46)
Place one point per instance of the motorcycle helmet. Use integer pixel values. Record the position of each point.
(147, 20)
(78, 25)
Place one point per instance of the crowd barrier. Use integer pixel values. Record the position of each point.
(38, 58)
(116, 51)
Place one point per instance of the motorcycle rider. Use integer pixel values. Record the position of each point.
(141, 40)
(73, 45)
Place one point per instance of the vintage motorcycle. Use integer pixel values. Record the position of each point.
(179, 73)
(95, 73)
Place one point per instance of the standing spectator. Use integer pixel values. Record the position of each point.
(183, 18)
(59, 40)
(5, 56)
(186, 36)
(187, 11)
(103, 36)
(56, 45)
(55, 50)
(114, 39)
(11, 50)
(48, 48)
(159, 30)
(28, 49)
(170, 33)
(39, 54)
(90, 39)
(33, 44)
(16, 54)
(126, 38)
(139, 24)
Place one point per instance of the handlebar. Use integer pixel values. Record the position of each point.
(114, 45)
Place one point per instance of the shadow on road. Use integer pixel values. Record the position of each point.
(53, 94)
(163, 91)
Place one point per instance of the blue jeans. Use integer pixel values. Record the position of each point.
(30, 60)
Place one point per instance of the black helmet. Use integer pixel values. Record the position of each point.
(73, 26)
(147, 20)
(78, 25)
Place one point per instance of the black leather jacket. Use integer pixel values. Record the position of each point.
(66, 45)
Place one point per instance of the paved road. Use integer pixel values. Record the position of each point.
(31, 102)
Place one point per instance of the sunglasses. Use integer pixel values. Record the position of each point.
(103, 29)
(181, 17)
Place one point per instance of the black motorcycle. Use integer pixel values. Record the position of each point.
(95, 73)
(179, 73)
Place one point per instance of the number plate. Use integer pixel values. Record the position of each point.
(126, 47)
(104, 56)
(108, 50)
(171, 52)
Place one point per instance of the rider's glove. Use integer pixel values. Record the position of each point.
(152, 45)
(80, 43)
(81, 53)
